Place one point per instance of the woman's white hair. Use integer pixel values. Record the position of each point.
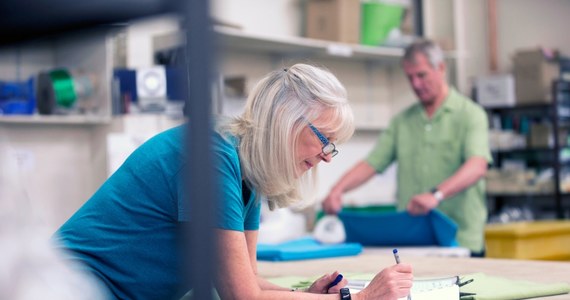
(277, 110)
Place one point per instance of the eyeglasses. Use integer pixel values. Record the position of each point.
(328, 147)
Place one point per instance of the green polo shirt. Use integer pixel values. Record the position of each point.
(430, 151)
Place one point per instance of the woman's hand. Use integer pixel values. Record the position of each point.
(320, 285)
(391, 283)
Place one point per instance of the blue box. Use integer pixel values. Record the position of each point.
(17, 98)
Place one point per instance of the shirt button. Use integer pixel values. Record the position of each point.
(428, 127)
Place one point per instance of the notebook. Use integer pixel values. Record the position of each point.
(422, 289)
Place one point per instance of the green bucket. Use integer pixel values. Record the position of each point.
(378, 19)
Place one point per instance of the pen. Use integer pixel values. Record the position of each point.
(335, 281)
(397, 257)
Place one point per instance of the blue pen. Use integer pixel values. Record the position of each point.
(397, 257)
(335, 281)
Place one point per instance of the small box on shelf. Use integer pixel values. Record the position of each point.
(534, 71)
(496, 90)
(334, 20)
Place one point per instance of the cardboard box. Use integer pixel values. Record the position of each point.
(534, 74)
(540, 136)
(334, 20)
(496, 90)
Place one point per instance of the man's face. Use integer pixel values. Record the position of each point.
(426, 81)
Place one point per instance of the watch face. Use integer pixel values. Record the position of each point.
(345, 294)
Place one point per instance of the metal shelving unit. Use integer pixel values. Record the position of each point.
(557, 114)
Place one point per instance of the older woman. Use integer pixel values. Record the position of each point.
(126, 234)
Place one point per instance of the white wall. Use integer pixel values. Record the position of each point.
(531, 23)
(275, 17)
(139, 39)
(49, 170)
(25, 60)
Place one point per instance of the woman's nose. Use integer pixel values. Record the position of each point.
(326, 157)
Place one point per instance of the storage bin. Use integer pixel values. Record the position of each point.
(378, 19)
(17, 97)
(542, 240)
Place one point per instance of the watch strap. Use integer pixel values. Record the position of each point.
(345, 294)
(437, 194)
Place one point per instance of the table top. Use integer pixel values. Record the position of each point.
(372, 262)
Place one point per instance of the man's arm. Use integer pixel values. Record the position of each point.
(468, 174)
(354, 178)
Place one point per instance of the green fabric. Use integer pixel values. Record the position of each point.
(499, 288)
(430, 151)
(371, 208)
(485, 287)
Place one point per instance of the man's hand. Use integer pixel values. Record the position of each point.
(421, 204)
(333, 202)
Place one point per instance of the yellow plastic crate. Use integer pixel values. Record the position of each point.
(543, 240)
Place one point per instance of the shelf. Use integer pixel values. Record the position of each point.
(524, 151)
(527, 195)
(291, 46)
(54, 119)
(520, 108)
(518, 195)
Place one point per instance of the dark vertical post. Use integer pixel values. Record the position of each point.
(200, 177)
(556, 89)
(418, 17)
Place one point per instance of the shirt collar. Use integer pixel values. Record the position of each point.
(450, 103)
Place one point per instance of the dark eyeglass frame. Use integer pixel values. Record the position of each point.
(328, 147)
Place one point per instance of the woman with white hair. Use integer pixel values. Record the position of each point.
(126, 234)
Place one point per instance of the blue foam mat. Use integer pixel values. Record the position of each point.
(305, 248)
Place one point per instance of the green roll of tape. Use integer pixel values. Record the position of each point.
(63, 88)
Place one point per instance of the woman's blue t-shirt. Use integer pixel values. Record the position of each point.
(127, 233)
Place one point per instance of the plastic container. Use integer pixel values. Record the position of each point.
(541, 240)
(17, 98)
(378, 19)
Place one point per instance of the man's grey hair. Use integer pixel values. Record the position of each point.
(430, 49)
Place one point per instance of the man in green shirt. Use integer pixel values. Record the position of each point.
(441, 147)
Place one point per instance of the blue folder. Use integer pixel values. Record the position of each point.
(305, 248)
(399, 229)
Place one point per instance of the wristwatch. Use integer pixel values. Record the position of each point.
(437, 194)
(345, 294)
